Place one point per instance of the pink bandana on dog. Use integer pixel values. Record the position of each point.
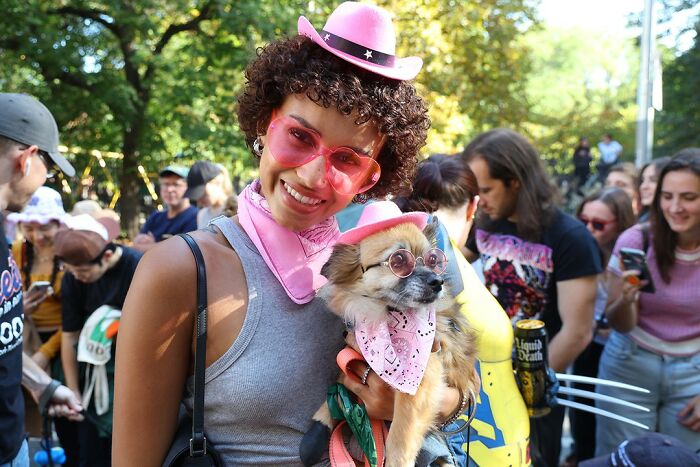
(397, 348)
(295, 258)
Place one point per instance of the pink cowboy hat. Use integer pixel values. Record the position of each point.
(379, 216)
(364, 36)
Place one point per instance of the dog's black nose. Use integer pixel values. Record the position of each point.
(435, 283)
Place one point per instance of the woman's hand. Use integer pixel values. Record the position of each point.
(34, 298)
(689, 416)
(377, 395)
(631, 285)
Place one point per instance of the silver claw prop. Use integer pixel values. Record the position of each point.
(601, 397)
(597, 411)
(602, 382)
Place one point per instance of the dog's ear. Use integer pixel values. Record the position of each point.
(343, 266)
(431, 229)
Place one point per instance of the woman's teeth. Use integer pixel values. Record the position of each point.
(299, 197)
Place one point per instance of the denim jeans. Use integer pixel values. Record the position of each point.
(21, 459)
(671, 381)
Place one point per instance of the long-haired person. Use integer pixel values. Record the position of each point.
(328, 123)
(538, 261)
(209, 185)
(655, 342)
(446, 187)
(648, 178)
(606, 213)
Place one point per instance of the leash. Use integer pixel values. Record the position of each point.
(371, 434)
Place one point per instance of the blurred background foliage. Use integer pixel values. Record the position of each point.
(136, 85)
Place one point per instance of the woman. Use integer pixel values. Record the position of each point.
(446, 187)
(624, 176)
(655, 342)
(210, 186)
(38, 222)
(271, 345)
(606, 213)
(582, 162)
(648, 177)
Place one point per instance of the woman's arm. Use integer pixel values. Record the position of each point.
(153, 354)
(623, 296)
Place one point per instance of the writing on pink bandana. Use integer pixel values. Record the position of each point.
(295, 258)
(397, 348)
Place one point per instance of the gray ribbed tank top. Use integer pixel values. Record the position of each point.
(261, 394)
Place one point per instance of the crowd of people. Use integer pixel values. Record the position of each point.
(103, 332)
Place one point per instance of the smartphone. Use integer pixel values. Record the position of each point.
(634, 259)
(39, 285)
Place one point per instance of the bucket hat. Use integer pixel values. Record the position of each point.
(363, 35)
(379, 216)
(26, 120)
(44, 206)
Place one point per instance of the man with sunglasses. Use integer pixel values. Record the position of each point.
(97, 272)
(28, 151)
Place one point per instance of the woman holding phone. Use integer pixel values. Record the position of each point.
(41, 278)
(655, 342)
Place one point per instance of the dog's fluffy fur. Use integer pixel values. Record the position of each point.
(355, 295)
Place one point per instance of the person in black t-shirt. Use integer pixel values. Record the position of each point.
(178, 217)
(98, 273)
(28, 150)
(537, 261)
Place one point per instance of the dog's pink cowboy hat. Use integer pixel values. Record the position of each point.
(379, 216)
(363, 35)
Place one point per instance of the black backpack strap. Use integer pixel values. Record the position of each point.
(198, 445)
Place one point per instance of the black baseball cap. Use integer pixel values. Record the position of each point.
(201, 173)
(648, 450)
(26, 120)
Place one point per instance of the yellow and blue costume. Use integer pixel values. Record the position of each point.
(499, 433)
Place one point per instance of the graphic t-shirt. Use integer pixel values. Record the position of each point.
(79, 300)
(11, 326)
(523, 275)
(163, 227)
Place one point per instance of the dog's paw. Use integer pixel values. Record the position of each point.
(314, 443)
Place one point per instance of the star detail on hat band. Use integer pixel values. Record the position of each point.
(357, 50)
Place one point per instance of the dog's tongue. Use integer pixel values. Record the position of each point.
(398, 348)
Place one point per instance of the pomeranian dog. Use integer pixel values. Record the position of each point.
(387, 270)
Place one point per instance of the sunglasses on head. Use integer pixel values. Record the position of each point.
(293, 145)
(597, 224)
(402, 262)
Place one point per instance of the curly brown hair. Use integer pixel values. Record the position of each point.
(298, 66)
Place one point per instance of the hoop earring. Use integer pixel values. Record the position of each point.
(258, 147)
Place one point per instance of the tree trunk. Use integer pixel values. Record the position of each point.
(129, 182)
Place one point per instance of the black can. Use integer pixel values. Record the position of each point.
(531, 365)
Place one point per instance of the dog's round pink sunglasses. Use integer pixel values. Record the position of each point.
(402, 262)
(293, 145)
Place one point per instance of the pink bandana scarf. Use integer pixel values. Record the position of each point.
(397, 348)
(295, 258)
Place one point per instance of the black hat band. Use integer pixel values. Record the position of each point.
(357, 50)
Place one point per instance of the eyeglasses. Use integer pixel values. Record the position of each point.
(402, 262)
(597, 224)
(293, 145)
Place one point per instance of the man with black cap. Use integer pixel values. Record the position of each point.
(28, 151)
(97, 272)
(178, 216)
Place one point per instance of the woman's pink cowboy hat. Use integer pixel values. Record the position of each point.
(379, 216)
(363, 35)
